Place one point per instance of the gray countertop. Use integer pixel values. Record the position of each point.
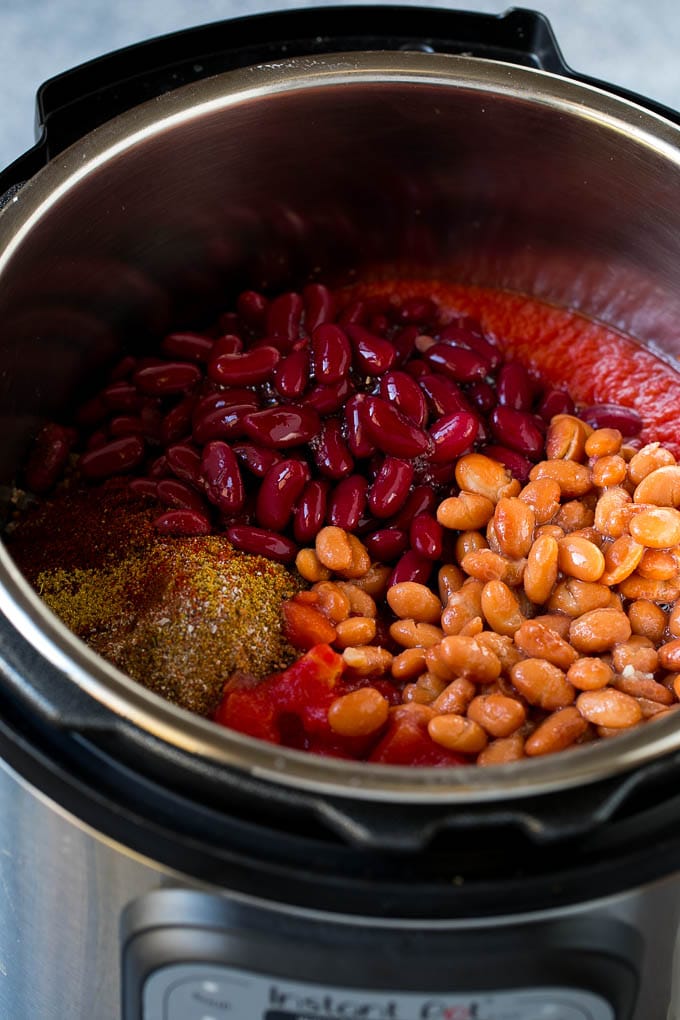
(629, 42)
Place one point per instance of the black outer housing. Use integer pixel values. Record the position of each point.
(221, 824)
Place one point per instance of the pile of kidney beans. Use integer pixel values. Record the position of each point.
(294, 412)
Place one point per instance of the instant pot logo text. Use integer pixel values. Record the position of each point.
(287, 1005)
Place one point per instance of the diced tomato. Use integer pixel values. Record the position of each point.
(407, 742)
(251, 712)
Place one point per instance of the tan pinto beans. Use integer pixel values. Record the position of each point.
(553, 620)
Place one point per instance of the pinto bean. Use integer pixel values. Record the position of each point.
(609, 707)
(558, 731)
(542, 684)
(540, 642)
(497, 714)
(599, 630)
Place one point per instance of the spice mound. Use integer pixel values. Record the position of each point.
(178, 615)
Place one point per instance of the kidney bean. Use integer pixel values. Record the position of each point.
(373, 355)
(514, 386)
(262, 542)
(185, 462)
(319, 305)
(229, 343)
(347, 502)
(121, 396)
(282, 427)
(411, 567)
(329, 398)
(257, 459)
(279, 491)
(230, 396)
(182, 523)
(284, 315)
(555, 401)
(291, 375)
(179, 495)
(331, 353)
(177, 423)
(403, 392)
(144, 487)
(222, 423)
(112, 458)
(613, 416)
(386, 544)
(310, 513)
(222, 481)
(353, 313)
(167, 378)
(517, 430)
(252, 309)
(468, 333)
(426, 536)
(421, 500)
(357, 435)
(188, 346)
(452, 435)
(482, 395)
(391, 431)
(390, 489)
(48, 458)
(331, 454)
(254, 366)
(458, 363)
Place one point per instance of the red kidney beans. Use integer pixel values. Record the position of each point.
(470, 335)
(514, 386)
(291, 375)
(247, 369)
(222, 423)
(117, 457)
(170, 377)
(347, 502)
(386, 544)
(354, 418)
(402, 390)
(230, 343)
(185, 462)
(284, 316)
(331, 353)
(257, 459)
(282, 427)
(331, 454)
(221, 476)
(251, 307)
(426, 536)
(310, 513)
(357, 434)
(422, 499)
(262, 542)
(554, 402)
(48, 457)
(411, 567)
(518, 430)
(319, 303)
(613, 416)
(391, 431)
(177, 494)
(188, 346)
(121, 396)
(278, 493)
(329, 398)
(514, 461)
(391, 487)
(452, 435)
(182, 523)
(443, 395)
(458, 363)
(372, 354)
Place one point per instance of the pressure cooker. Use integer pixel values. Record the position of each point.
(153, 865)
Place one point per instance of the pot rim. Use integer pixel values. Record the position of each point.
(129, 700)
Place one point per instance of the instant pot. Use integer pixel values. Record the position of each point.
(157, 867)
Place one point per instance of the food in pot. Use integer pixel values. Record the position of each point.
(375, 524)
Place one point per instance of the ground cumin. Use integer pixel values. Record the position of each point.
(179, 615)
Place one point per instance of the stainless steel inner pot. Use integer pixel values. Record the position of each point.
(333, 167)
